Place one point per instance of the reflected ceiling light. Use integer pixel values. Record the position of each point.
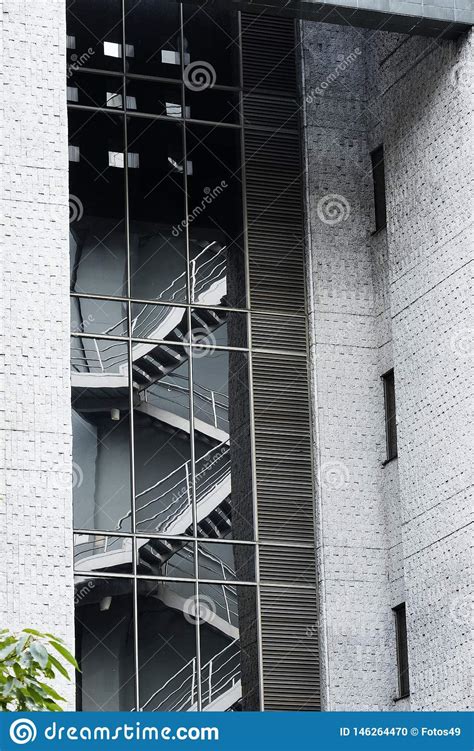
(115, 414)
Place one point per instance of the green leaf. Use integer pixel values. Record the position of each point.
(40, 653)
(6, 651)
(51, 692)
(58, 666)
(33, 631)
(66, 654)
(21, 644)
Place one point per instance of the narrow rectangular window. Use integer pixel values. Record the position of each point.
(402, 650)
(390, 414)
(378, 174)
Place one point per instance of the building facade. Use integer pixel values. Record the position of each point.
(249, 347)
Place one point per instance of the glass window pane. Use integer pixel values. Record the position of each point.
(159, 322)
(226, 562)
(94, 31)
(105, 644)
(215, 217)
(93, 90)
(90, 316)
(213, 105)
(97, 203)
(162, 440)
(154, 97)
(229, 653)
(166, 646)
(156, 193)
(211, 34)
(165, 557)
(101, 434)
(219, 328)
(223, 473)
(103, 553)
(152, 31)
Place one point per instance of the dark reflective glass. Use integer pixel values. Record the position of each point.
(101, 434)
(223, 473)
(165, 557)
(97, 203)
(103, 553)
(94, 90)
(162, 439)
(94, 34)
(159, 322)
(215, 217)
(211, 34)
(152, 34)
(105, 644)
(229, 652)
(226, 562)
(221, 328)
(213, 105)
(156, 204)
(166, 646)
(154, 97)
(91, 316)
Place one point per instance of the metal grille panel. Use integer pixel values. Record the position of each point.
(291, 666)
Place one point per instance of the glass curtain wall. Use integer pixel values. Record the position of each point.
(164, 555)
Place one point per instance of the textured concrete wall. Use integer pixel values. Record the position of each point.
(395, 298)
(353, 545)
(36, 588)
(428, 125)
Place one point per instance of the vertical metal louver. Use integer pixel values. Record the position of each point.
(282, 429)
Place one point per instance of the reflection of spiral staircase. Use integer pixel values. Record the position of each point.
(220, 681)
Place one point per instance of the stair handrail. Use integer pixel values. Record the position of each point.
(192, 664)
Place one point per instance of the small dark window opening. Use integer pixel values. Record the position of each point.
(402, 650)
(390, 414)
(378, 173)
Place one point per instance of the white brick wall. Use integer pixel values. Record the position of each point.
(36, 587)
(397, 298)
